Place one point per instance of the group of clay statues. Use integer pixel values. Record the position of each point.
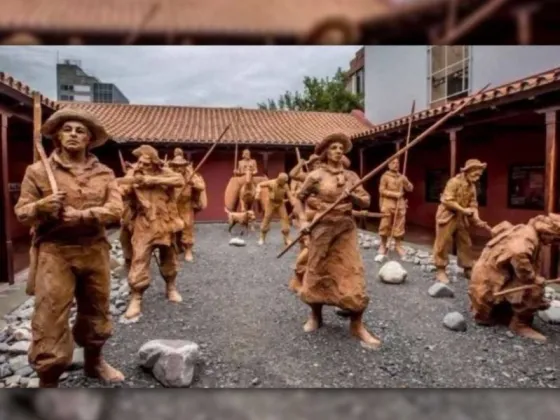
(69, 198)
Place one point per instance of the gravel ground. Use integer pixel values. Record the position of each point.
(238, 308)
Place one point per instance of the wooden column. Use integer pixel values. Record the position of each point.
(397, 146)
(550, 254)
(6, 250)
(265, 156)
(37, 123)
(453, 152)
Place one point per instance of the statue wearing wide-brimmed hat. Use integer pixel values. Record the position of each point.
(510, 260)
(457, 211)
(72, 258)
(156, 222)
(190, 199)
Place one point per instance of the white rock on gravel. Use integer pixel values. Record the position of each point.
(237, 242)
(172, 362)
(379, 258)
(552, 314)
(440, 290)
(392, 273)
(455, 321)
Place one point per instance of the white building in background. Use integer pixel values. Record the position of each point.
(397, 75)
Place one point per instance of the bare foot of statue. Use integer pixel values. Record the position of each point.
(441, 276)
(526, 332)
(358, 330)
(315, 320)
(173, 295)
(189, 255)
(104, 371)
(134, 306)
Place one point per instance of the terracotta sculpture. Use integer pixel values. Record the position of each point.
(278, 194)
(458, 209)
(392, 188)
(240, 193)
(186, 196)
(125, 234)
(335, 271)
(154, 226)
(72, 247)
(510, 259)
(244, 219)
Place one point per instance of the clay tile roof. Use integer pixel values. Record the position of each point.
(181, 124)
(21, 87)
(288, 17)
(509, 89)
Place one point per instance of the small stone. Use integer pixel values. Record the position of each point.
(19, 347)
(5, 370)
(367, 245)
(255, 381)
(518, 348)
(22, 334)
(455, 321)
(379, 258)
(551, 315)
(24, 314)
(24, 371)
(12, 380)
(237, 242)
(77, 359)
(510, 334)
(18, 362)
(172, 362)
(440, 290)
(392, 273)
(33, 383)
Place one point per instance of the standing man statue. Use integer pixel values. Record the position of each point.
(186, 197)
(154, 226)
(73, 259)
(458, 209)
(392, 201)
(278, 194)
(246, 164)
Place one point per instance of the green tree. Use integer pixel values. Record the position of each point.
(328, 94)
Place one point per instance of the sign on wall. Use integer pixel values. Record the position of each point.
(526, 187)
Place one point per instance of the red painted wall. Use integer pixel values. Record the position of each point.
(499, 151)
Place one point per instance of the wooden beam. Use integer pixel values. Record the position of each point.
(7, 254)
(13, 113)
(37, 123)
(549, 262)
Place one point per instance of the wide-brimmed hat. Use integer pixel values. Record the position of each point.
(334, 138)
(98, 134)
(473, 164)
(178, 158)
(547, 223)
(146, 150)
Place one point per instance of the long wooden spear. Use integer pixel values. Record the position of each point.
(372, 173)
(526, 287)
(400, 199)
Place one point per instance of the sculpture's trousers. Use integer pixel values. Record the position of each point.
(66, 272)
(187, 234)
(270, 211)
(386, 224)
(444, 241)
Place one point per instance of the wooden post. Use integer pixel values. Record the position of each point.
(452, 152)
(549, 261)
(37, 123)
(397, 146)
(265, 156)
(6, 245)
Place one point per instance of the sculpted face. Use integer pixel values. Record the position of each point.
(74, 136)
(144, 164)
(474, 175)
(394, 165)
(282, 179)
(335, 152)
(246, 154)
(180, 169)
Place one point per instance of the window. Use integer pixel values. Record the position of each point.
(69, 88)
(360, 81)
(448, 70)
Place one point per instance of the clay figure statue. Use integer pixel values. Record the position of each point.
(244, 219)
(392, 188)
(278, 194)
(297, 177)
(510, 259)
(240, 193)
(154, 226)
(125, 234)
(457, 211)
(194, 187)
(73, 259)
(335, 271)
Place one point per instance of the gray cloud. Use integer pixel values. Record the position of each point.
(183, 75)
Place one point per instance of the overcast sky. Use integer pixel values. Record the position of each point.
(183, 75)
